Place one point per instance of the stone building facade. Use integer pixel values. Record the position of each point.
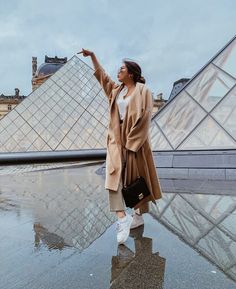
(8, 102)
(45, 70)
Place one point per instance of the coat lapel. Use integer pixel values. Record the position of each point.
(115, 118)
(134, 108)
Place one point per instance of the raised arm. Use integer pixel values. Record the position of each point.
(104, 79)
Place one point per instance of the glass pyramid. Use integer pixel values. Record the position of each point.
(68, 111)
(202, 115)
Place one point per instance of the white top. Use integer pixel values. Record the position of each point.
(122, 102)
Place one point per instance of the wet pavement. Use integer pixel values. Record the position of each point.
(56, 231)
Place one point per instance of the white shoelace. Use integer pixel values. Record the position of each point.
(118, 226)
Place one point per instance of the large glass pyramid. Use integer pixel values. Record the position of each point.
(202, 115)
(68, 111)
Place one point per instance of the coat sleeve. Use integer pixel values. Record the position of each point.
(139, 131)
(105, 81)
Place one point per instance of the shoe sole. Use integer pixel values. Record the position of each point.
(136, 226)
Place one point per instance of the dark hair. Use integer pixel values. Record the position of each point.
(135, 69)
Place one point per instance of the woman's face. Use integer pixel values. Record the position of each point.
(123, 74)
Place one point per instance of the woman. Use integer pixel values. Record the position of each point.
(130, 105)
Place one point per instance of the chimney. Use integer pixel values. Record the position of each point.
(34, 65)
(17, 93)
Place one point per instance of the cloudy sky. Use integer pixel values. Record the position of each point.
(169, 39)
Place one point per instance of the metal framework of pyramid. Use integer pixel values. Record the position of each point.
(67, 112)
(202, 116)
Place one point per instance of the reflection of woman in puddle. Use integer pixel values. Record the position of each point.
(51, 240)
(141, 269)
(130, 114)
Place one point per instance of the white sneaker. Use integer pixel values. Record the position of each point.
(137, 221)
(123, 228)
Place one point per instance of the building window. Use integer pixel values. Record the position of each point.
(9, 107)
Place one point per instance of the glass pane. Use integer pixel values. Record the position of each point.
(12, 128)
(229, 223)
(13, 115)
(158, 142)
(25, 128)
(65, 144)
(39, 128)
(162, 204)
(10, 146)
(219, 248)
(52, 142)
(225, 113)
(232, 272)
(27, 114)
(208, 135)
(19, 108)
(39, 143)
(210, 86)
(212, 206)
(179, 118)
(183, 219)
(227, 59)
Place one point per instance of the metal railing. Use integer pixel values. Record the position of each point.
(18, 158)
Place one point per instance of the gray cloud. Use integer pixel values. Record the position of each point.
(170, 39)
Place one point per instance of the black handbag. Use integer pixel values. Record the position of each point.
(135, 192)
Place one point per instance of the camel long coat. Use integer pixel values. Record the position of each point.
(134, 136)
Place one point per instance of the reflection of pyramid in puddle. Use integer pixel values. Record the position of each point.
(69, 111)
(206, 222)
(209, 100)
